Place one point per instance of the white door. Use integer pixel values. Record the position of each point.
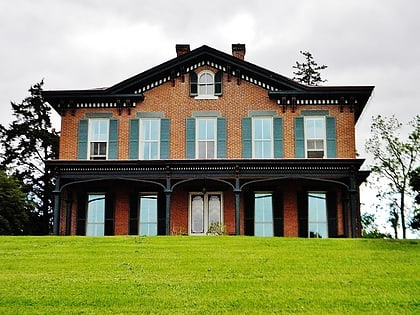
(205, 209)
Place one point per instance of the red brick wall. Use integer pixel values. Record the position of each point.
(236, 102)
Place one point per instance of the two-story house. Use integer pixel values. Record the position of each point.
(208, 137)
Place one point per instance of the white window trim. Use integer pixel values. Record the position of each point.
(141, 155)
(326, 212)
(90, 140)
(197, 140)
(205, 96)
(324, 139)
(271, 137)
(206, 211)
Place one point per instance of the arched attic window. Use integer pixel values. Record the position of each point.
(206, 84)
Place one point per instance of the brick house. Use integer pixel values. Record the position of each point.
(208, 137)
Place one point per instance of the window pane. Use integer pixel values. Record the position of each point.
(197, 214)
(258, 134)
(148, 215)
(98, 130)
(214, 209)
(210, 150)
(263, 215)
(266, 132)
(95, 215)
(317, 215)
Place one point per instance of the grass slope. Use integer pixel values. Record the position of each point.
(203, 275)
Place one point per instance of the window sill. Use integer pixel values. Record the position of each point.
(206, 97)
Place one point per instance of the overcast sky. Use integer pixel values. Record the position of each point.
(82, 44)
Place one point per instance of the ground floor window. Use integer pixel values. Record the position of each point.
(95, 225)
(148, 217)
(205, 209)
(317, 215)
(263, 214)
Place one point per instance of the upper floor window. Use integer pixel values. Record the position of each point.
(315, 137)
(98, 139)
(149, 139)
(206, 84)
(262, 137)
(206, 138)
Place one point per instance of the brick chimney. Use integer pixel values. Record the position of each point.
(182, 49)
(238, 51)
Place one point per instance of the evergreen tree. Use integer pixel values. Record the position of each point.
(395, 159)
(308, 72)
(27, 143)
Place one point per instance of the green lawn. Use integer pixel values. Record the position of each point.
(208, 275)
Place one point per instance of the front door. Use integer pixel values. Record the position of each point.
(205, 209)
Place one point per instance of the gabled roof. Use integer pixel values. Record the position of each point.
(286, 91)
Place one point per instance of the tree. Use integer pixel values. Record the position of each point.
(308, 72)
(14, 208)
(27, 143)
(370, 228)
(394, 158)
(415, 184)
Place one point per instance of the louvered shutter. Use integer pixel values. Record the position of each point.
(218, 82)
(164, 138)
(113, 140)
(246, 137)
(133, 147)
(82, 139)
(278, 137)
(193, 83)
(299, 138)
(190, 138)
(331, 137)
(221, 138)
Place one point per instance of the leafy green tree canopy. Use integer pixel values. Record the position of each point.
(14, 208)
(394, 158)
(308, 72)
(27, 143)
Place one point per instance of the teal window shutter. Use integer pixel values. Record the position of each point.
(193, 83)
(164, 138)
(218, 78)
(278, 137)
(190, 138)
(221, 138)
(133, 147)
(113, 140)
(299, 138)
(331, 137)
(82, 139)
(247, 137)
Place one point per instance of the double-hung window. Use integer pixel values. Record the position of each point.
(206, 138)
(95, 225)
(98, 139)
(206, 84)
(317, 215)
(149, 139)
(315, 137)
(262, 137)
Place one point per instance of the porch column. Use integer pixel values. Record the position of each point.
(237, 192)
(69, 203)
(168, 211)
(353, 203)
(168, 192)
(56, 213)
